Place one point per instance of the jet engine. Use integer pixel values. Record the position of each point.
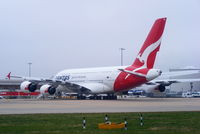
(48, 89)
(152, 88)
(161, 88)
(28, 86)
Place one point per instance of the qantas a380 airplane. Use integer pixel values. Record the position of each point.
(107, 79)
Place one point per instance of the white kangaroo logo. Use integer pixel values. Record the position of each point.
(142, 57)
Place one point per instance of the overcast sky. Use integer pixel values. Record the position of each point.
(64, 34)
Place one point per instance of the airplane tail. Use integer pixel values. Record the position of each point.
(8, 75)
(147, 54)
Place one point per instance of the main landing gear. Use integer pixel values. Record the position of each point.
(97, 97)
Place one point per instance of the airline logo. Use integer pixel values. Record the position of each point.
(144, 61)
(151, 49)
(63, 78)
(151, 46)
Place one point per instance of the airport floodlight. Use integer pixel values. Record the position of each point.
(29, 69)
(121, 53)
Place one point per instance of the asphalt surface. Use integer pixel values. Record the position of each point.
(28, 106)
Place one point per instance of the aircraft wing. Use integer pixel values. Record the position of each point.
(167, 82)
(15, 84)
(68, 85)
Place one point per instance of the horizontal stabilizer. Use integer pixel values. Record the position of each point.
(133, 73)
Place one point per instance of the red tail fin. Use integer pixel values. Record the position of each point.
(8, 75)
(146, 56)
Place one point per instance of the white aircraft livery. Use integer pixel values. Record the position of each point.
(107, 79)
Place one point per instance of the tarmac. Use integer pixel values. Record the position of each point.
(32, 106)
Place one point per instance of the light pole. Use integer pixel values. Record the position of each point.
(29, 72)
(121, 52)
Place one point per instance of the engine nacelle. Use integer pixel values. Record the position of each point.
(161, 88)
(152, 88)
(47, 89)
(28, 86)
